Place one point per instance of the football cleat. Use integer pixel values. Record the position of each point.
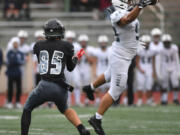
(89, 92)
(85, 132)
(96, 124)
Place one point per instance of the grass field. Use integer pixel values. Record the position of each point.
(117, 121)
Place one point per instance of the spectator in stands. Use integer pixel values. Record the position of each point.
(15, 59)
(1, 58)
(24, 10)
(10, 9)
(84, 5)
(104, 4)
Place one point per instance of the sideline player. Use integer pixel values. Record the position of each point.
(53, 55)
(38, 36)
(87, 61)
(145, 71)
(74, 76)
(124, 48)
(101, 54)
(168, 68)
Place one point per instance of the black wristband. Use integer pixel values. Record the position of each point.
(75, 59)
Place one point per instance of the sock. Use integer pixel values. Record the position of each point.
(98, 116)
(92, 86)
(97, 101)
(25, 122)
(80, 128)
(77, 94)
(125, 100)
(175, 94)
(164, 97)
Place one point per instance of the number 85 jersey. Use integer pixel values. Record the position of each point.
(126, 36)
(53, 56)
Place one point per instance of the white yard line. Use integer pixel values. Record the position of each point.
(9, 117)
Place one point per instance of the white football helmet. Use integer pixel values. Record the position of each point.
(83, 37)
(120, 4)
(166, 38)
(156, 31)
(39, 33)
(103, 38)
(22, 34)
(70, 34)
(145, 38)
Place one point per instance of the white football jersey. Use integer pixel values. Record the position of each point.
(126, 37)
(25, 48)
(102, 60)
(84, 65)
(169, 59)
(146, 59)
(156, 47)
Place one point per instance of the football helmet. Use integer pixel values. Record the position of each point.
(22, 34)
(70, 34)
(53, 29)
(166, 38)
(39, 33)
(156, 31)
(124, 4)
(83, 37)
(145, 39)
(103, 38)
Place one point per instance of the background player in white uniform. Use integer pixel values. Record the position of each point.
(124, 48)
(101, 54)
(145, 71)
(38, 36)
(73, 77)
(87, 61)
(168, 68)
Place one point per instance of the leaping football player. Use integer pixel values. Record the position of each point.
(124, 48)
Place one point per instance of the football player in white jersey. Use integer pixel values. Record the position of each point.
(168, 68)
(38, 35)
(145, 71)
(73, 77)
(156, 45)
(101, 54)
(124, 48)
(87, 61)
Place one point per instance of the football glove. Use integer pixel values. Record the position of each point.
(144, 3)
(80, 53)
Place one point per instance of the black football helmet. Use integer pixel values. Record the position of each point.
(53, 29)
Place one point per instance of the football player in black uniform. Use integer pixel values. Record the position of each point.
(53, 55)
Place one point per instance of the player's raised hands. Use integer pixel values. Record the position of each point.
(144, 3)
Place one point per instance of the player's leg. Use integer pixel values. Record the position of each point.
(10, 93)
(149, 92)
(35, 99)
(141, 80)
(19, 91)
(103, 78)
(165, 87)
(119, 70)
(60, 95)
(175, 87)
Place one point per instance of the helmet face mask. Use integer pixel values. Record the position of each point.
(125, 4)
(54, 29)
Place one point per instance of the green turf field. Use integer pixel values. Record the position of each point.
(117, 121)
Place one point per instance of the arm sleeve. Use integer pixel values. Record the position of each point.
(71, 61)
(116, 16)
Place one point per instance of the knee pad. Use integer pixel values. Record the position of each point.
(118, 85)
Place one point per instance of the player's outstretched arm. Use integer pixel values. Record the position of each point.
(135, 12)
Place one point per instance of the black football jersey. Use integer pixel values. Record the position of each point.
(53, 56)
